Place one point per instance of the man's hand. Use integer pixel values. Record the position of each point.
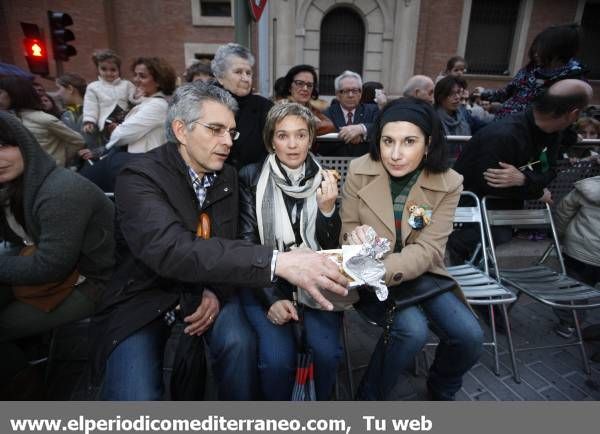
(205, 314)
(352, 134)
(507, 176)
(312, 272)
(547, 197)
(281, 312)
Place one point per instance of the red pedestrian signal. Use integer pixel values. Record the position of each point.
(35, 49)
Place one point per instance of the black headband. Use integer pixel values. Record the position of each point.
(409, 111)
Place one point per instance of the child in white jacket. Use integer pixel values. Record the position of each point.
(108, 99)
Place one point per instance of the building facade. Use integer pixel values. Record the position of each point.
(383, 40)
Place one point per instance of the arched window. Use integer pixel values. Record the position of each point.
(342, 46)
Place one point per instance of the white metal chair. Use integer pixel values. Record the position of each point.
(481, 289)
(540, 282)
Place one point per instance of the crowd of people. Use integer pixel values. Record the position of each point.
(220, 205)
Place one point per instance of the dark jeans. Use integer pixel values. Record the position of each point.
(134, 368)
(277, 349)
(104, 172)
(585, 273)
(461, 344)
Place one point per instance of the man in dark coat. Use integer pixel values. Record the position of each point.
(167, 273)
(515, 158)
(351, 118)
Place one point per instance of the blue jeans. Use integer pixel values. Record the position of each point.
(461, 344)
(277, 349)
(134, 370)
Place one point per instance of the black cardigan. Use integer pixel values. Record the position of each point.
(327, 228)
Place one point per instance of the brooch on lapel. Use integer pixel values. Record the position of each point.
(420, 216)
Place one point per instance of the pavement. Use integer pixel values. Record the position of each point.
(547, 375)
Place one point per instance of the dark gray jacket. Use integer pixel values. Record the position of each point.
(68, 217)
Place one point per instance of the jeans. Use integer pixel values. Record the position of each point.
(277, 349)
(461, 344)
(134, 368)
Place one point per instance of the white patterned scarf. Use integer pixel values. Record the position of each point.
(274, 225)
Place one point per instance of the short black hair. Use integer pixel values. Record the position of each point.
(556, 42)
(437, 149)
(443, 88)
(368, 93)
(453, 61)
(22, 94)
(197, 68)
(289, 78)
(558, 105)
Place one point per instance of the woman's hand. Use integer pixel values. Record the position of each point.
(281, 312)
(358, 235)
(86, 154)
(88, 127)
(327, 193)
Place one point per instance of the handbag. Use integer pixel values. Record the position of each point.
(406, 294)
(44, 296)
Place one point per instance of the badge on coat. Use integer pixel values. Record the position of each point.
(419, 216)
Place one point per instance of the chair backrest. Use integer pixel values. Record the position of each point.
(473, 214)
(338, 163)
(520, 218)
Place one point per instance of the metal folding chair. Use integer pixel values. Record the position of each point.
(481, 289)
(540, 282)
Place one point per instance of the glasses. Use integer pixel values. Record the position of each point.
(301, 84)
(354, 91)
(220, 130)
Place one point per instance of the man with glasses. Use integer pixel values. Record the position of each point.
(351, 118)
(177, 215)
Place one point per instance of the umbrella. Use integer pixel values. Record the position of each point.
(7, 69)
(304, 384)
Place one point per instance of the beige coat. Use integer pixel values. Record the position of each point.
(57, 139)
(367, 200)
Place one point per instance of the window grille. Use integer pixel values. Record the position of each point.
(342, 46)
(491, 31)
(590, 29)
(215, 8)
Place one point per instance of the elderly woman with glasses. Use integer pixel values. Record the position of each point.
(300, 86)
(232, 67)
(287, 202)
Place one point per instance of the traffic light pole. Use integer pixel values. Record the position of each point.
(59, 67)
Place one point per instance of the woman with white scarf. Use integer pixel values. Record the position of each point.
(287, 202)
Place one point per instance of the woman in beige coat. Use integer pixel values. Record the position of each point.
(19, 96)
(405, 191)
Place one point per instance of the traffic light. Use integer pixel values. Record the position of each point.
(61, 36)
(35, 49)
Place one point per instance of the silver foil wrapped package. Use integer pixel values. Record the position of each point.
(366, 264)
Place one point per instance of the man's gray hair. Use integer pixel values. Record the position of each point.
(346, 74)
(188, 101)
(415, 82)
(221, 61)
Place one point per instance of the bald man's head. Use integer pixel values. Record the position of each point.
(559, 106)
(419, 86)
